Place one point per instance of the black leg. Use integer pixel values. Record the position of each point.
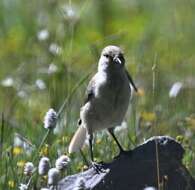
(91, 146)
(97, 167)
(112, 134)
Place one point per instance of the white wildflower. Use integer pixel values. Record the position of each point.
(50, 119)
(23, 186)
(52, 68)
(28, 148)
(40, 84)
(45, 188)
(123, 128)
(62, 162)
(43, 35)
(188, 133)
(7, 82)
(70, 13)
(53, 176)
(44, 166)
(55, 49)
(22, 94)
(18, 140)
(28, 168)
(175, 89)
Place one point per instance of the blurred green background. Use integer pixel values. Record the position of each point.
(47, 47)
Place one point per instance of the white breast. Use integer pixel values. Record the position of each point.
(108, 107)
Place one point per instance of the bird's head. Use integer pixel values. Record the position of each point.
(111, 58)
(112, 61)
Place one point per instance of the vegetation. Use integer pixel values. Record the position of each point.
(49, 49)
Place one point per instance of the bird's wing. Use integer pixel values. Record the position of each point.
(131, 81)
(90, 92)
(89, 95)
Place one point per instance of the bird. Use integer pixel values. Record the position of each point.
(107, 99)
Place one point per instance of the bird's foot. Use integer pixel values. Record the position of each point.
(97, 167)
(124, 152)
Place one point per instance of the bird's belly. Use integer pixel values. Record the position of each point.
(107, 111)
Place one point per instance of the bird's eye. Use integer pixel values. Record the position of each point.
(106, 55)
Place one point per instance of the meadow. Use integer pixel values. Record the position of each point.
(50, 49)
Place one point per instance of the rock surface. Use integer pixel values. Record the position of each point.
(155, 163)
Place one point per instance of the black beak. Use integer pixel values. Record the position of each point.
(131, 81)
(117, 60)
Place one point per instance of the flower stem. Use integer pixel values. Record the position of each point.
(41, 144)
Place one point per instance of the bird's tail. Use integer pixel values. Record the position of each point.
(78, 140)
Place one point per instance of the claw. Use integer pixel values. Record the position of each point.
(97, 167)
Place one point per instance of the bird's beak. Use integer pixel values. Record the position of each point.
(117, 60)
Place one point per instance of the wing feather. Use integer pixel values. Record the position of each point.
(90, 92)
(131, 81)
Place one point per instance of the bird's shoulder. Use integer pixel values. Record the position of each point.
(90, 91)
(93, 87)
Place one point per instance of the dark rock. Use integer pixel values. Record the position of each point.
(155, 163)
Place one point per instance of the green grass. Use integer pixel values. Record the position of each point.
(159, 33)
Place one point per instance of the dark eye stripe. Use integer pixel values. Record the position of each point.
(106, 55)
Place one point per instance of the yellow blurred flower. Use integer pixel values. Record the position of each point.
(11, 184)
(45, 177)
(140, 92)
(148, 116)
(79, 166)
(44, 150)
(17, 150)
(65, 139)
(84, 168)
(180, 138)
(62, 140)
(98, 141)
(190, 121)
(20, 163)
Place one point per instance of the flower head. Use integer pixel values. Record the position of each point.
(175, 89)
(7, 82)
(62, 162)
(44, 150)
(55, 49)
(70, 13)
(11, 183)
(43, 166)
(17, 150)
(40, 84)
(28, 168)
(122, 128)
(53, 176)
(52, 68)
(50, 119)
(23, 186)
(43, 35)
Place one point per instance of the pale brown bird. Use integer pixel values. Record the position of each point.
(108, 95)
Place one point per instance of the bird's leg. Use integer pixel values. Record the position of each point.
(111, 131)
(97, 167)
(91, 147)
